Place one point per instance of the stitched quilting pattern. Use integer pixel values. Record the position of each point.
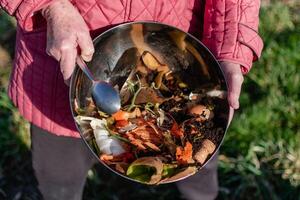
(100, 13)
(230, 31)
(37, 86)
(10, 6)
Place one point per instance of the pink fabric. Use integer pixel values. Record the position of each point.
(10, 6)
(230, 31)
(37, 87)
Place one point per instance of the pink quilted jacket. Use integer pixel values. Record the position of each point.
(227, 27)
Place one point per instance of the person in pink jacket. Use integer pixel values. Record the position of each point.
(48, 35)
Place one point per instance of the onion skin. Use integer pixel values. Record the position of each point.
(154, 162)
(181, 175)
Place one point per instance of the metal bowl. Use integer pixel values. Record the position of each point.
(118, 49)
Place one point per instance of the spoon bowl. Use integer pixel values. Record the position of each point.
(105, 97)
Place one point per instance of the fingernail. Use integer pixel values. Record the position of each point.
(86, 57)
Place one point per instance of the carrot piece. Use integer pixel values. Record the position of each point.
(152, 146)
(176, 130)
(126, 157)
(121, 123)
(121, 115)
(106, 157)
(184, 155)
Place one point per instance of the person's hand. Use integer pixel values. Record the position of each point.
(67, 33)
(234, 78)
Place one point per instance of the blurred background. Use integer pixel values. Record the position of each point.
(260, 157)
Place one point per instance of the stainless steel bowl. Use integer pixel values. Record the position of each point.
(116, 54)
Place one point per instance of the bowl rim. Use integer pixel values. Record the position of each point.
(117, 26)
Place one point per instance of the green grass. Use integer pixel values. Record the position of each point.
(260, 157)
(261, 153)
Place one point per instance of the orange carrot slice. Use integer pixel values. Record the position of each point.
(121, 115)
(184, 155)
(177, 131)
(121, 123)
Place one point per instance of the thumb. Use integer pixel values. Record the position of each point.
(231, 113)
(235, 81)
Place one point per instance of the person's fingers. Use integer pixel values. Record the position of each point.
(67, 62)
(235, 81)
(54, 53)
(86, 46)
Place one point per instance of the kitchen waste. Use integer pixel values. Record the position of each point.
(163, 132)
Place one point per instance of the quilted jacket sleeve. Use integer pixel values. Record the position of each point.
(230, 31)
(10, 6)
(23, 10)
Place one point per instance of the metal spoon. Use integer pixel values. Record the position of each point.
(105, 97)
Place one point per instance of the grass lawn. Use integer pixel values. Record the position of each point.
(260, 157)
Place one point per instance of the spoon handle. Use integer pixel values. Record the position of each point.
(84, 68)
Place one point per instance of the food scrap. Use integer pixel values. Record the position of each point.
(163, 131)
